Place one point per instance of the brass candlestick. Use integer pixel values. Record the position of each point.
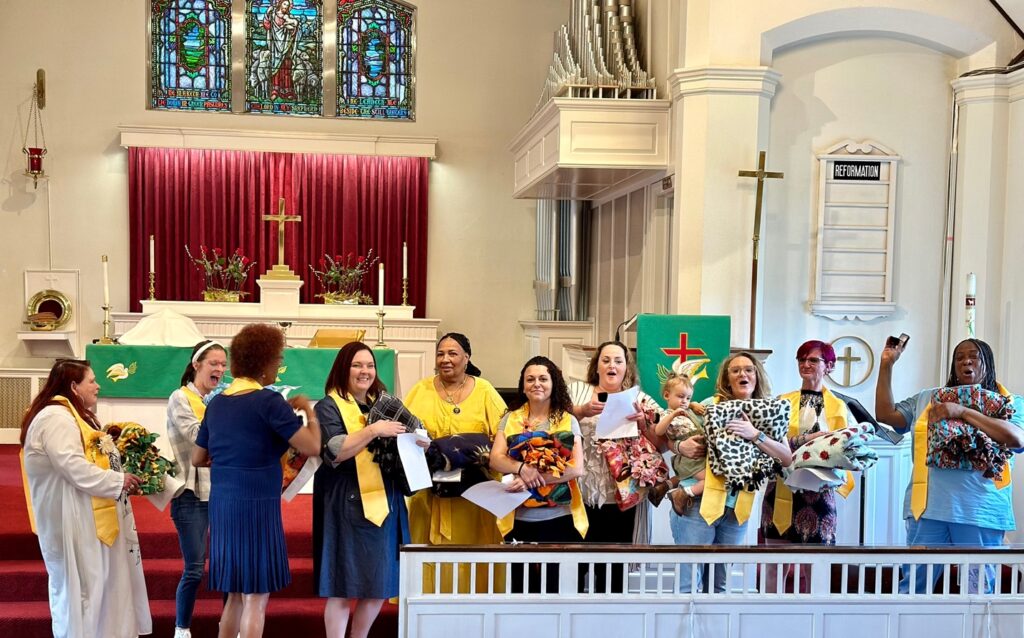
(106, 339)
(152, 286)
(405, 291)
(380, 329)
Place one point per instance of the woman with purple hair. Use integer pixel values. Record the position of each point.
(807, 517)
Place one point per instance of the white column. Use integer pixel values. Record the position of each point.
(720, 123)
(981, 190)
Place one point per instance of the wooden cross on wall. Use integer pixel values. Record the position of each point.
(761, 175)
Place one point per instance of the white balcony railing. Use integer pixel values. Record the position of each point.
(570, 591)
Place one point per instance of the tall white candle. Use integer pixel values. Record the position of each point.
(106, 282)
(380, 285)
(405, 260)
(972, 285)
(152, 253)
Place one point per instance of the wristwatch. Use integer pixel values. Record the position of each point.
(761, 437)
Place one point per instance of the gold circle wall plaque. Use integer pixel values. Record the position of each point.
(850, 350)
(53, 301)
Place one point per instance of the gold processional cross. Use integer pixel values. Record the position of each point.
(761, 175)
(281, 269)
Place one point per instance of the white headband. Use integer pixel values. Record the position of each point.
(204, 348)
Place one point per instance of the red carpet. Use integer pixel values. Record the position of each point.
(25, 613)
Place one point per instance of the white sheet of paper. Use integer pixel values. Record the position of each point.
(813, 479)
(612, 422)
(414, 459)
(491, 496)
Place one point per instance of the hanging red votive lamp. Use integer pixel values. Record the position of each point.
(36, 152)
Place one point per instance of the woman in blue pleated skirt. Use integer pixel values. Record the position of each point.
(245, 431)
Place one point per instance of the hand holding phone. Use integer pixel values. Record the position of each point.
(899, 342)
(602, 397)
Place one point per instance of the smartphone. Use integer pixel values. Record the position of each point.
(602, 397)
(898, 342)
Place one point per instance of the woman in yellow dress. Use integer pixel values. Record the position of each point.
(454, 401)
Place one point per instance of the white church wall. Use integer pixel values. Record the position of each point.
(894, 92)
(750, 33)
(476, 85)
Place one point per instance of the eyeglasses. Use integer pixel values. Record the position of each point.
(748, 370)
(811, 360)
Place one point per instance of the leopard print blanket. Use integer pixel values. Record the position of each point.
(738, 461)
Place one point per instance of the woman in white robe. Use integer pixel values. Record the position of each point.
(96, 588)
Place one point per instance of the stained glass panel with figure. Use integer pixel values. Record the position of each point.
(284, 59)
(376, 59)
(190, 55)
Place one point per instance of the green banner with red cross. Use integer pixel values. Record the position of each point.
(697, 344)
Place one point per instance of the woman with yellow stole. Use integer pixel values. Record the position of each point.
(244, 433)
(79, 507)
(806, 517)
(190, 509)
(454, 401)
(539, 441)
(719, 516)
(946, 506)
(359, 515)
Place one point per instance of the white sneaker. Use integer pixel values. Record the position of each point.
(182, 633)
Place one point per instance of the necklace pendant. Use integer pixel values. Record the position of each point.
(456, 410)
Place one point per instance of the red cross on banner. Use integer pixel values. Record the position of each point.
(684, 352)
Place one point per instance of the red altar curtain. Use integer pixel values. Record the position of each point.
(348, 203)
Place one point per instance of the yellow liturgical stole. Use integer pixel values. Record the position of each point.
(835, 419)
(241, 384)
(712, 502)
(919, 477)
(371, 482)
(195, 402)
(104, 510)
(515, 424)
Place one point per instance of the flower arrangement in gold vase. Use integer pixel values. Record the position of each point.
(342, 277)
(224, 274)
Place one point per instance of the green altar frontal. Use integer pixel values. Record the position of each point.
(154, 372)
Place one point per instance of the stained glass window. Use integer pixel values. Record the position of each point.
(190, 55)
(284, 58)
(376, 59)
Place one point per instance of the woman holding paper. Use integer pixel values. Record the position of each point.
(716, 517)
(945, 506)
(80, 509)
(359, 515)
(189, 510)
(457, 400)
(245, 431)
(611, 370)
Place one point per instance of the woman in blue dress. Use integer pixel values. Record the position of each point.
(245, 431)
(357, 529)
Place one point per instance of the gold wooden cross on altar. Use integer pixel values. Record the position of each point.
(281, 269)
(761, 175)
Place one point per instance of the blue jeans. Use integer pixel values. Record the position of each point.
(691, 529)
(932, 533)
(192, 520)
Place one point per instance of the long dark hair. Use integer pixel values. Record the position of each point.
(189, 375)
(629, 379)
(987, 359)
(463, 342)
(63, 373)
(340, 371)
(561, 402)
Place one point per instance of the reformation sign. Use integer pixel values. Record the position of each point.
(857, 170)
